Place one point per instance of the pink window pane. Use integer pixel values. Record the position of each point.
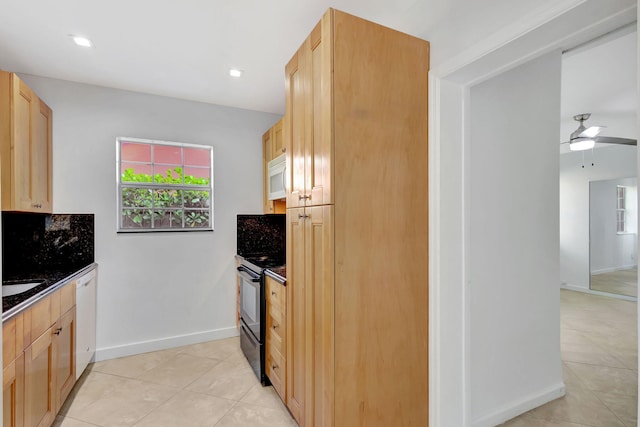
(197, 176)
(167, 154)
(167, 174)
(133, 172)
(132, 152)
(196, 157)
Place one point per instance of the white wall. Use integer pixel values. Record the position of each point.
(513, 244)
(609, 250)
(158, 289)
(609, 163)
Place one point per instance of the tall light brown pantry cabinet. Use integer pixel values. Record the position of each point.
(357, 243)
(25, 147)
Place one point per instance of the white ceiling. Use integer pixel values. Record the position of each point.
(601, 78)
(184, 48)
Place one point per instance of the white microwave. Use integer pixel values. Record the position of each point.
(276, 178)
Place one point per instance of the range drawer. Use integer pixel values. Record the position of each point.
(276, 295)
(276, 370)
(276, 330)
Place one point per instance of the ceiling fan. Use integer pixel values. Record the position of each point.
(585, 138)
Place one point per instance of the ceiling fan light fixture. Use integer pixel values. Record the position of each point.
(580, 144)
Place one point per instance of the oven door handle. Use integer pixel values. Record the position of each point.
(248, 274)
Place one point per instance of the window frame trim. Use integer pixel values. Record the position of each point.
(621, 210)
(152, 185)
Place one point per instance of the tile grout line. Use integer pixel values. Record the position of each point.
(76, 419)
(226, 413)
(610, 410)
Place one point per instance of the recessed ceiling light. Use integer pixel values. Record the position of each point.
(234, 72)
(81, 41)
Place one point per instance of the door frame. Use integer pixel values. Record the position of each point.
(568, 23)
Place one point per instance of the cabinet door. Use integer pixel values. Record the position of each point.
(9, 351)
(294, 132)
(296, 315)
(267, 148)
(41, 157)
(13, 393)
(278, 138)
(319, 315)
(39, 374)
(319, 116)
(65, 351)
(275, 346)
(31, 145)
(22, 145)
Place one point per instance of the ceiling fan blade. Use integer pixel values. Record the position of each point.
(614, 140)
(591, 131)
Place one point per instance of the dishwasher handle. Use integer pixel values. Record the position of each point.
(86, 279)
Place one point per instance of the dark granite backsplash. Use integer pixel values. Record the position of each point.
(34, 242)
(261, 235)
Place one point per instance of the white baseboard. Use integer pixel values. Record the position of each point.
(612, 269)
(130, 349)
(520, 407)
(571, 287)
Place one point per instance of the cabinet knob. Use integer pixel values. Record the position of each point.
(37, 205)
(301, 216)
(57, 331)
(284, 150)
(275, 327)
(273, 293)
(305, 197)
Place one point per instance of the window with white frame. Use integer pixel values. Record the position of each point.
(164, 186)
(621, 209)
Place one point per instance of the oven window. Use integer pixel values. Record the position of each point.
(250, 302)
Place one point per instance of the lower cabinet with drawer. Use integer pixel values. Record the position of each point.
(38, 360)
(276, 332)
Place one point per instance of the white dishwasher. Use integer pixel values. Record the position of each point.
(86, 290)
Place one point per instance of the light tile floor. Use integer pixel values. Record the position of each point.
(208, 384)
(211, 384)
(600, 366)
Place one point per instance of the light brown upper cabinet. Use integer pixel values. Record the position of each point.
(278, 139)
(357, 217)
(267, 148)
(25, 147)
(272, 147)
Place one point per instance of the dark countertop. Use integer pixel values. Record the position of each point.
(14, 304)
(278, 273)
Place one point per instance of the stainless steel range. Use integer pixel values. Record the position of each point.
(252, 310)
(261, 245)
